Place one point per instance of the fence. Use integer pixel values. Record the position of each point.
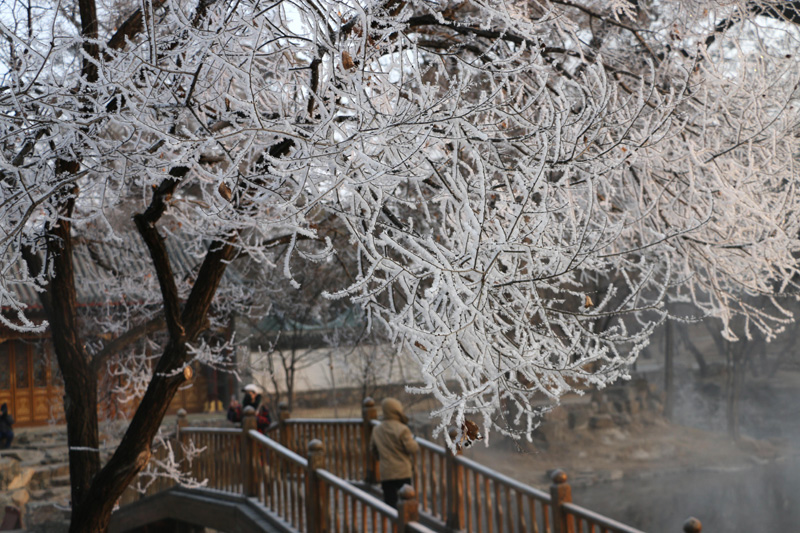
(306, 472)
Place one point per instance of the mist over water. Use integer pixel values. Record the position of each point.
(755, 495)
(752, 499)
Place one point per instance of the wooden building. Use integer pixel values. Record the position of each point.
(30, 380)
(29, 383)
(31, 386)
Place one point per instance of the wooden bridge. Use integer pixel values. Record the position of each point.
(318, 476)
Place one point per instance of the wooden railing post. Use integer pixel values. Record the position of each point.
(248, 452)
(316, 495)
(692, 525)
(454, 486)
(285, 436)
(561, 493)
(407, 507)
(368, 413)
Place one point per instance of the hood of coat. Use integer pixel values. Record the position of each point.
(393, 410)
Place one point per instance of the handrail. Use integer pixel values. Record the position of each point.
(359, 494)
(283, 450)
(598, 519)
(210, 430)
(502, 478)
(441, 450)
(416, 527)
(326, 421)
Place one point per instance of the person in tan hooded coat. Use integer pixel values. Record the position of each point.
(395, 447)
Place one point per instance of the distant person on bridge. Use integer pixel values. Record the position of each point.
(395, 447)
(263, 418)
(6, 433)
(251, 398)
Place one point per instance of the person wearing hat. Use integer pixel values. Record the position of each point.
(251, 397)
(394, 446)
(6, 433)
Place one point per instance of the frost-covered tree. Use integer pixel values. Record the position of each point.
(524, 182)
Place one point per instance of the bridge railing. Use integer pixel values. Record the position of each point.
(455, 493)
(344, 443)
(279, 479)
(220, 461)
(303, 493)
(307, 485)
(488, 501)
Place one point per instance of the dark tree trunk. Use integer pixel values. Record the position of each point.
(80, 381)
(94, 512)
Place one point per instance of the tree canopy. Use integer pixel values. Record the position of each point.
(523, 184)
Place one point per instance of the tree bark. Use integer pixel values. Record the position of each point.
(80, 381)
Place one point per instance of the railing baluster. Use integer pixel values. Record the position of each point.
(507, 507)
(489, 509)
(454, 519)
(419, 480)
(354, 511)
(468, 498)
(546, 517)
(442, 488)
(293, 490)
(499, 507)
(478, 503)
(432, 477)
(363, 510)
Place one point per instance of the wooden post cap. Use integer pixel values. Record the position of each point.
(407, 492)
(181, 413)
(249, 411)
(316, 445)
(283, 406)
(558, 476)
(369, 402)
(692, 525)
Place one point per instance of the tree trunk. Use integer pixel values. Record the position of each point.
(93, 513)
(80, 410)
(80, 380)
